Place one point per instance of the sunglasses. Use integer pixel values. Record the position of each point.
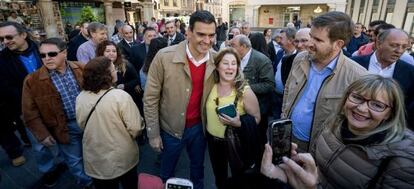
(8, 37)
(49, 54)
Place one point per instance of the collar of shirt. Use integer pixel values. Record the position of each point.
(58, 73)
(375, 67)
(331, 66)
(245, 59)
(193, 60)
(173, 37)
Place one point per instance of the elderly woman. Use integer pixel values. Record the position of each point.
(230, 88)
(111, 121)
(366, 144)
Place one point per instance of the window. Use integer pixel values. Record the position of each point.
(167, 3)
(175, 3)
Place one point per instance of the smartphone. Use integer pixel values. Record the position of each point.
(229, 110)
(231, 36)
(280, 138)
(178, 183)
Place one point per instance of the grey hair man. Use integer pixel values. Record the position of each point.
(98, 33)
(386, 61)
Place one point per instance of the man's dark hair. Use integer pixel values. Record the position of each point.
(382, 27)
(149, 29)
(376, 22)
(201, 16)
(338, 24)
(19, 28)
(97, 74)
(60, 44)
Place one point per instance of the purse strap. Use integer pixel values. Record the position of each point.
(93, 109)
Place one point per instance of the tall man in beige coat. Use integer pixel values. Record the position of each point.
(178, 84)
(319, 77)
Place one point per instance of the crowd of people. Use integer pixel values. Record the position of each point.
(93, 99)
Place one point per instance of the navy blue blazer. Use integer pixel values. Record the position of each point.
(126, 49)
(137, 56)
(404, 75)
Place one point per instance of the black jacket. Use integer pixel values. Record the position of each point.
(126, 48)
(178, 38)
(12, 74)
(74, 45)
(137, 56)
(404, 75)
(286, 67)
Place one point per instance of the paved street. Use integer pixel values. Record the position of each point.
(27, 176)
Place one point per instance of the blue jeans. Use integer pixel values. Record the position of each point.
(193, 138)
(72, 154)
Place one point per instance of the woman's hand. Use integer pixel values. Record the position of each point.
(301, 171)
(231, 121)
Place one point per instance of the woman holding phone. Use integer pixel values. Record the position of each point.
(230, 89)
(366, 144)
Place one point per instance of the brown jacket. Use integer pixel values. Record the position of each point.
(354, 166)
(168, 91)
(42, 106)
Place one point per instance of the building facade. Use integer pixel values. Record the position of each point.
(399, 13)
(174, 8)
(277, 13)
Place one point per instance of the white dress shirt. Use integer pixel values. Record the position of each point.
(375, 67)
(193, 60)
(245, 59)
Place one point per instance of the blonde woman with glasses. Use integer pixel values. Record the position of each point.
(366, 144)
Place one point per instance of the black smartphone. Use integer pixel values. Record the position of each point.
(231, 36)
(280, 138)
(228, 109)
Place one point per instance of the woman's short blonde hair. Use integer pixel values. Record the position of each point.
(372, 85)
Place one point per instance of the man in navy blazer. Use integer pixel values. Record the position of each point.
(172, 35)
(385, 61)
(139, 52)
(127, 42)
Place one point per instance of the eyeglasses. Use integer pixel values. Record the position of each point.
(8, 37)
(49, 54)
(372, 104)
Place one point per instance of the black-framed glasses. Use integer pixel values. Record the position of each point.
(8, 37)
(374, 105)
(49, 54)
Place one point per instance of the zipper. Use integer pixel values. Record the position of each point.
(314, 107)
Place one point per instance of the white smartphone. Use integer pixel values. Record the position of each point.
(178, 183)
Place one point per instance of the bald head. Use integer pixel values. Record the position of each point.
(301, 39)
(242, 44)
(391, 44)
(128, 32)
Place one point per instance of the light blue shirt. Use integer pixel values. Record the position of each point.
(302, 113)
